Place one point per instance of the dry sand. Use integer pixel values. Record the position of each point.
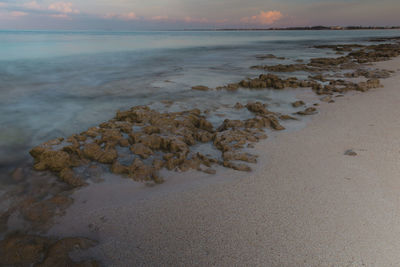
(306, 203)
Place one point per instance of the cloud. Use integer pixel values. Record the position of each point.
(18, 14)
(3, 4)
(60, 16)
(123, 16)
(129, 16)
(196, 20)
(64, 7)
(159, 18)
(32, 5)
(264, 18)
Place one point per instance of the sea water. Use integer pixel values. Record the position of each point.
(56, 83)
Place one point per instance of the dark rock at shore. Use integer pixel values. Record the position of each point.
(284, 68)
(68, 176)
(51, 160)
(322, 62)
(238, 106)
(341, 47)
(350, 152)
(308, 111)
(298, 104)
(229, 87)
(375, 74)
(269, 56)
(265, 117)
(258, 107)
(200, 88)
(237, 167)
(273, 81)
(287, 117)
(228, 156)
(27, 250)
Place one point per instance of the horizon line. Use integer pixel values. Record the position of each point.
(299, 28)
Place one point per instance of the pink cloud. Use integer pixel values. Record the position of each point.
(124, 16)
(18, 14)
(3, 4)
(264, 18)
(63, 7)
(129, 16)
(32, 5)
(160, 18)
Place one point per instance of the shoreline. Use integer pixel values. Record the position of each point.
(98, 210)
(305, 204)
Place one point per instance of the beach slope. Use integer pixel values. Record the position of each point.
(306, 203)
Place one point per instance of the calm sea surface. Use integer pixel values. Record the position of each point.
(55, 83)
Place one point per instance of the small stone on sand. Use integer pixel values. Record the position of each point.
(350, 152)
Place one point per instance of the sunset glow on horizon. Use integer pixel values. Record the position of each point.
(189, 14)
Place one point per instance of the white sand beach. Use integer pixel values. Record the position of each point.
(305, 203)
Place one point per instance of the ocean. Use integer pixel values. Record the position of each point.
(57, 83)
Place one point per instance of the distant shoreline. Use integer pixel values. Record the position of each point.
(313, 28)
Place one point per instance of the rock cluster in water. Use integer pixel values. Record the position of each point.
(156, 140)
(354, 60)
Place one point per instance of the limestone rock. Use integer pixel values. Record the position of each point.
(53, 161)
(200, 88)
(68, 176)
(298, 104)
(308, 111)
(350, 152)
(141, 150)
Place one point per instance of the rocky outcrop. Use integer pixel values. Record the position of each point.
(287, 117)
(374, 74)
(298, 104)
(350, 152)
(29, 250)
(308, 111)
(51, 160)
(68, 176)
(269, 56)
(285, 68)
(229, 87)
(94, 152)
(156, 140)
(200, 88)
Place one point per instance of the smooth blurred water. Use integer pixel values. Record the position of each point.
(58, 83)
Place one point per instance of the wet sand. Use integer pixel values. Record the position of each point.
(305, 203)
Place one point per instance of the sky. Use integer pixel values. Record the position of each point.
(193, 14)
